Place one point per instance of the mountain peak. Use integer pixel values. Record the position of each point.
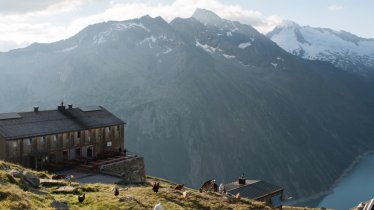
(343, 49)
(289, 24)
(206, 16)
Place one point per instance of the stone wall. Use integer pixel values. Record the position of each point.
(132, 170)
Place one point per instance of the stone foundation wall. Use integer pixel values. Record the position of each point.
(131, 170)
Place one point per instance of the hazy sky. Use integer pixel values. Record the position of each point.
(26, 21)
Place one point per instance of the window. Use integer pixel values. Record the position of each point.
(77, 136)
(78, 152)
(40, 144)
(65, 155)
(98, 134)
(27, 146)
(107, 132)
(87, 135)
(13, 149)
(116, 131)
(53, 141)
(90, 152)
(109, 144)
(65, 140)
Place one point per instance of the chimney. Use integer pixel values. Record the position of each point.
(36, 109)
(242, 180)
(61, 107)
(70, 106)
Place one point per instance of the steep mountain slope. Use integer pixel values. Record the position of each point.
(343, 49)
(204, 98)
(18, 194)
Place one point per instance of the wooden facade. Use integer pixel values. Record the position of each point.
(88, 142)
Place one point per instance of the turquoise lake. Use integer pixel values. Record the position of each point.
(354, 188)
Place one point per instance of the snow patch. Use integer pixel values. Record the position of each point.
(164, 37)
(228, 56)
(274, 65)
(205, 47)
(127, 26)
(101, 38)
(228, 34)
(149, 40)
(234, 27)
(168, 49)
(244, 63)
(244, 45)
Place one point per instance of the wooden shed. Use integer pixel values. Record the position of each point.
(257, 190)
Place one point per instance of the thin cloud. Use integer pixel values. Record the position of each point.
(22, 6)
(335, 8)
(6, 45)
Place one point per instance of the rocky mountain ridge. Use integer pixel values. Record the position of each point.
(341, 48)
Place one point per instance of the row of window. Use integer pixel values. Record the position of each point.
(66, 139)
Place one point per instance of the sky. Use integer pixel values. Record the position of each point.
(23, 22)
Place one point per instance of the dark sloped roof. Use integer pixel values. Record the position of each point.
(253, 189)
(42, 123)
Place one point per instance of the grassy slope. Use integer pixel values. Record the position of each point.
(15, 195)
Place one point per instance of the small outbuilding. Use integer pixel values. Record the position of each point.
(257, 190)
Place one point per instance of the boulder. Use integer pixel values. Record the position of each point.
(66, 189)
(15, 173)
(30, 178)
(52, 182)
(4, 166)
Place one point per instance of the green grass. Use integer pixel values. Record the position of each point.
(16, 195)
